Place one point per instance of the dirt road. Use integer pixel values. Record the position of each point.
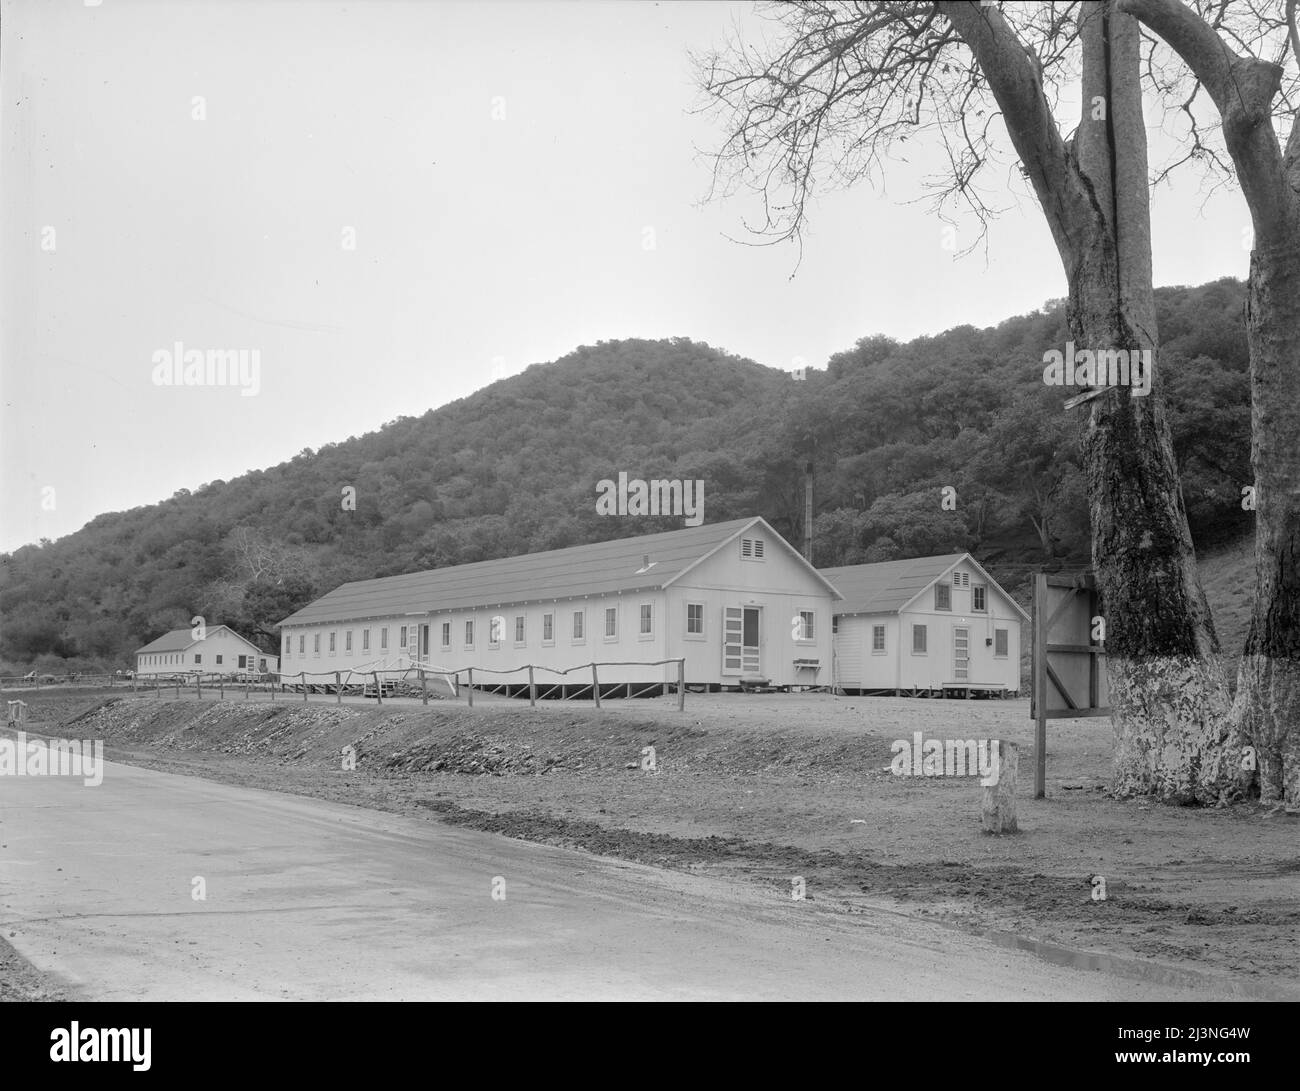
(307, 899)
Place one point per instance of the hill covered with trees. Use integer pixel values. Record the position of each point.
(514, 469)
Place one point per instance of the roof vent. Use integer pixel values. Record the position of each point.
(646, 564)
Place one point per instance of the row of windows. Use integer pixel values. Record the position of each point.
(577, 630)
(920, 641)
(978, 594)
(163, 660)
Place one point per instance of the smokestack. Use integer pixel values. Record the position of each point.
(808, 512)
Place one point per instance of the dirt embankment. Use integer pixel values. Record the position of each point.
(776, 788)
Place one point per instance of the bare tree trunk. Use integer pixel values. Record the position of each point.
(1266, 715)
(1168, 690)
(1268, 684)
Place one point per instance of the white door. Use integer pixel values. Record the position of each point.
(742, 640)
(733, 624)
(961, 655)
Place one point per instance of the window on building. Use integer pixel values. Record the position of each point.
(383, 639)
(401, 641)
(695, 619)
(548, 628)
(611, 621)
(365, 640)
(446, 634)
(1000, 643)
(218, 660)
(469, 634)
(978, 599)
(577, 625)
(334, 638)
(198, 658)
(519, 628)
(805, 625)
(877, 638)
(315, 641)
(918, 640)
(347, 641)
(942, 596)
(302, 643)
(647, 619)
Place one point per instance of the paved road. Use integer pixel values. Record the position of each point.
(307, 899)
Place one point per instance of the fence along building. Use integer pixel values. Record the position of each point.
(733, 599)
(930, 624)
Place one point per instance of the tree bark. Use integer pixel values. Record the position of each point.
(1266, 714)
(1169, 696)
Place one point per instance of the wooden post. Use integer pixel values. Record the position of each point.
(532, 688)
(198, 686)
(338, 687)
(424, 688)
(469, 685)
(681, 685)
(248, 686)
(303, 676)
(998, 808)
(379, 690)
(1038, 706)
(595, 685)
(221, 687)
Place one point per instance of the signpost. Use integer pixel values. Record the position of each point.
(1069, 675)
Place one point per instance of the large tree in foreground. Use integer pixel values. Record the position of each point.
(847, 82)
(1224, 50)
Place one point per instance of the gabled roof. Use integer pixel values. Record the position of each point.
(179, 640)
(175, 641)
(886, 587)
(890, 586)
(601, 568)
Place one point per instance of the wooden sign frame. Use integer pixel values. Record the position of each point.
(1046, 616)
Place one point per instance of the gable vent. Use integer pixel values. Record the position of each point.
(751, 548)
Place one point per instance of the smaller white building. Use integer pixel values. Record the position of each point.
(929, 625)
(221, 651)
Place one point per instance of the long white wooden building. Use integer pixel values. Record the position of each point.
(220, 651)
(929, 625)
(733, 599)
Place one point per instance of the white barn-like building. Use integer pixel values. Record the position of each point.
(221, 651)
(930, 624)
(733, 599)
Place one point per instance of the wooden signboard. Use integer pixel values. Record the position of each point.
(1069, 674)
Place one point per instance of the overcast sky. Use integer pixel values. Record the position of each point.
(519, 178)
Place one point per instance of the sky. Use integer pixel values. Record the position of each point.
(394, 204)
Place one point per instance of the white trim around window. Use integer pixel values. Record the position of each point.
(696, 618)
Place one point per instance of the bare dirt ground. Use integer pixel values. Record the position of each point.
(770, 788)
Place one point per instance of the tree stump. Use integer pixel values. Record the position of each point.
(998, 810)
